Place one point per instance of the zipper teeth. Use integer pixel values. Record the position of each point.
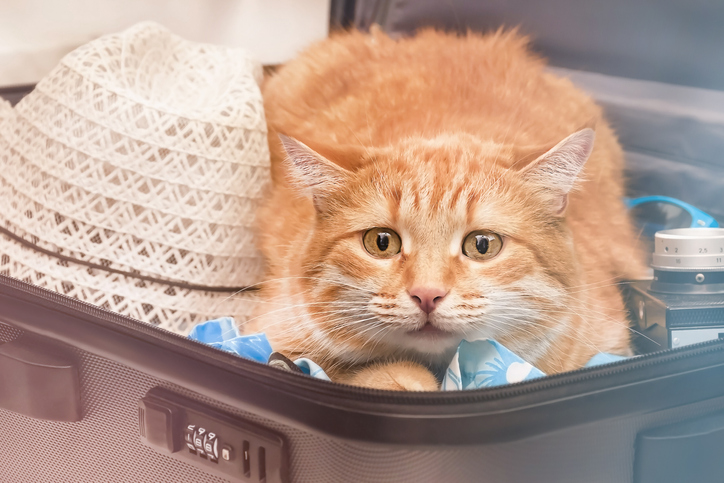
(471, 396)
(551, 381)
(339, 391)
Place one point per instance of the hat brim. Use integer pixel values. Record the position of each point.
(172, 308)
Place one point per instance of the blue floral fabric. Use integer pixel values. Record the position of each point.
(311, 369)
(485, 363)
(476, 364)
(224, 334)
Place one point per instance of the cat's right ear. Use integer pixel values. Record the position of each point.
(555, 172)
(312, 173)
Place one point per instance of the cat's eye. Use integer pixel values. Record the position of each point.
(382, 242)
(482, 245)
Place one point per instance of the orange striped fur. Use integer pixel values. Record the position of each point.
(436, 136)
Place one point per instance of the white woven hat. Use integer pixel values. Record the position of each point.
(130, 176)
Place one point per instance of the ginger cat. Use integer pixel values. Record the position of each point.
(431, 189)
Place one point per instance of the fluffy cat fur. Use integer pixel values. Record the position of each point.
(436, 136)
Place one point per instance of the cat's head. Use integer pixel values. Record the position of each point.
(419, 245)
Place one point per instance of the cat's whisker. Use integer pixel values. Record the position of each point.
(357, 335)
(316, 278)
(578, 335)
(377, 339)
(626, 326)
(563, 331)
(552, 306)
(560, 332)
(615, 280)
(552, 324)
(297, 306)
(510, 322)
(596, 286)
(253, 287)
(270, 326)
(321, 314)
(576, 289)
(344, 324)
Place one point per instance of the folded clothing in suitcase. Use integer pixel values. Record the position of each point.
(89, 395)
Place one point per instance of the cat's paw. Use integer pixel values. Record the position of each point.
(395, 376)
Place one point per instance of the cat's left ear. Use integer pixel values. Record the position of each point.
(556, 171)
(311, 172)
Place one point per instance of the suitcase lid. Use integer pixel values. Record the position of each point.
(672, 41)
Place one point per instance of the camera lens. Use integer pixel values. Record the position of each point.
(689, 260)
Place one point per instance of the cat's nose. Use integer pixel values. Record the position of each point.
(427, 298)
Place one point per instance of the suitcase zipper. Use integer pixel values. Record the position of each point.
(339, 391)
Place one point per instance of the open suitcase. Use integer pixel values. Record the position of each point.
(87, 395)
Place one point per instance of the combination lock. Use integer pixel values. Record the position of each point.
(210, 439)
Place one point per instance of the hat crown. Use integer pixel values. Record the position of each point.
(144, 153)
(154, 68)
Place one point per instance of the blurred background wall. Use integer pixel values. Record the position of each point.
(35, 34)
